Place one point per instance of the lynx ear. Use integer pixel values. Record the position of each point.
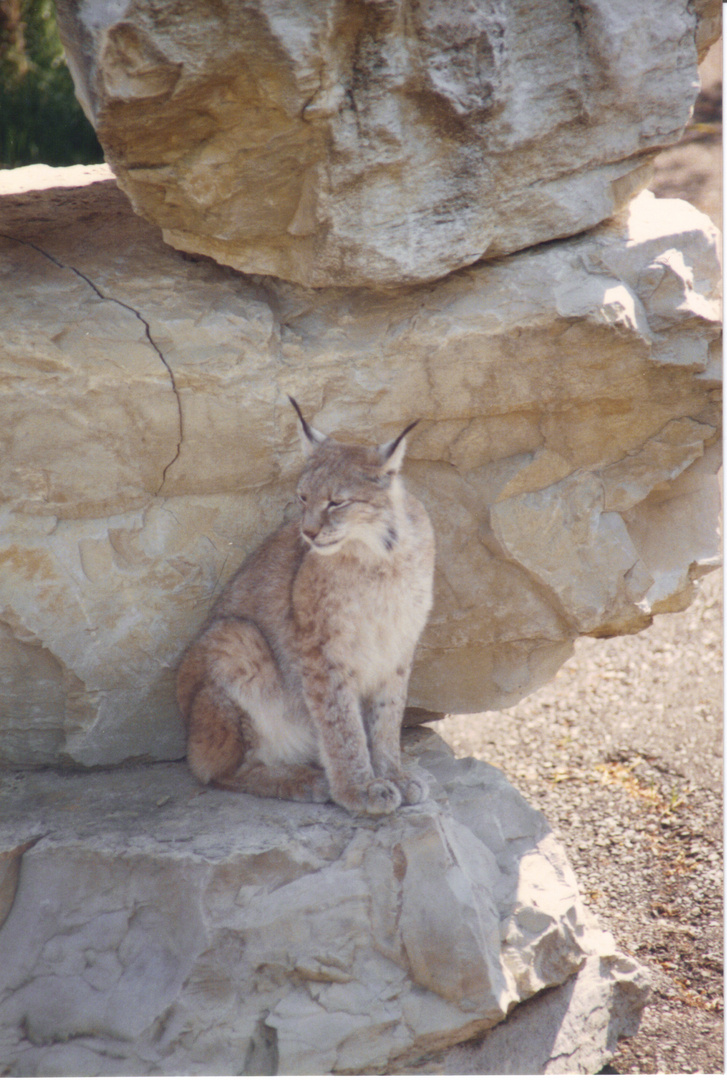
(392, 453)
(309, 437)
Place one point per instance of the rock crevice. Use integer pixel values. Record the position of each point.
(137, 314)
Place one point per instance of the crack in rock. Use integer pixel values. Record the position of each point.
(147, 331)
(10, 874)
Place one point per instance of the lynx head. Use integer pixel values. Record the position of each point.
(350, 493)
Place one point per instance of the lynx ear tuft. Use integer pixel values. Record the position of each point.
(309, 437)
(392, 453)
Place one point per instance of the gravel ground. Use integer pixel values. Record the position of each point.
(622, 752)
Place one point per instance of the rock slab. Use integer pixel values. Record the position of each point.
(383, 143)
(151, 926)
(567, 451)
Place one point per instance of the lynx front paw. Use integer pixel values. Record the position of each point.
(413, 790)
(382, 797)
(375, 797)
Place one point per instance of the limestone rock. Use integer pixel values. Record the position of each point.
(341, 143)
(567, 452)
(569, 1029)
(160, 927)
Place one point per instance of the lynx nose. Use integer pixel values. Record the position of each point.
(310, 526)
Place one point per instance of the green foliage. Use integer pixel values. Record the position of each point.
(40, 118)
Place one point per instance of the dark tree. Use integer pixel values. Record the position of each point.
(40, 118)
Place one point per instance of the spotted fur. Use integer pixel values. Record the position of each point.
(296, 685)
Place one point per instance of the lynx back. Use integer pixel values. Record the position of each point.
(296, 685)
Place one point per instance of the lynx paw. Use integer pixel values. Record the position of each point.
(374, 797)
(382, 797)
(413, 790)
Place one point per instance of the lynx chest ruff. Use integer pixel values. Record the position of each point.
(296, 686)
(362, 613)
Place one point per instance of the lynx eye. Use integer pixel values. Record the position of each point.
(302, 498)
(381, 481)
(334, 505)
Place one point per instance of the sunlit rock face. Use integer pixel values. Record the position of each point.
(567, 450)
(330, 142)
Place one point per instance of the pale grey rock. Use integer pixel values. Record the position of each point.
(340, 143)
(158, 927)
(573, 1028)
(567, 452)
(575, 548)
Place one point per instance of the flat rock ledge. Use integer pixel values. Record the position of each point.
(151, 926)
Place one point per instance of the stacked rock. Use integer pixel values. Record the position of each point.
(388, 210)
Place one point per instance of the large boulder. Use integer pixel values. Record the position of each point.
(150, 927)
(569, 398)
(334, 142)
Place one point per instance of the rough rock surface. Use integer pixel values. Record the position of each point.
(569, 398)
(153, 926)
(348, 143)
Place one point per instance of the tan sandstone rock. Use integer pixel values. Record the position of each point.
(156, 927)
(341, 143)
(569, 405)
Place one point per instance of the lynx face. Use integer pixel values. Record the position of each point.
(348, 493)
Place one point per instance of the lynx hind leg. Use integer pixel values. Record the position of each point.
(215, 746)
(214, 738)
(227, 678)
(300, 783)
(217, 754)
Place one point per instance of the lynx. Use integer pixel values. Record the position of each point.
(296, 685)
